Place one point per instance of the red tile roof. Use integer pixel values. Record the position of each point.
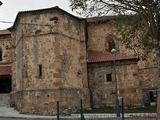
(5, 70)
(96, 56)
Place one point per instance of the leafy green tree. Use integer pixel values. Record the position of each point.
(137, 19)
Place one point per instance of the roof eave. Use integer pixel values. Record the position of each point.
(39, 10)
(136, 59)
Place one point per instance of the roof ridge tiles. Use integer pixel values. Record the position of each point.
(101, 56)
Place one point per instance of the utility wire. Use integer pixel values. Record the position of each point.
(49, 26)
(25, 23)
(5, 22)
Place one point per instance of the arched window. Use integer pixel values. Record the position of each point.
(111, 44)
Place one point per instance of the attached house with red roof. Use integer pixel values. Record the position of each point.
(50, 55)
(5, 67)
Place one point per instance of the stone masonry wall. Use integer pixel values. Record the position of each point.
(6, 43)
(4, 100)
(44, 102)
(50, 57)
(59, 47)
(103, 92)
(148, 76)
(60, 65)
(100, 33)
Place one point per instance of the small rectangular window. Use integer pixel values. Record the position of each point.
(40, 70)
(0, 55)
(109, 77)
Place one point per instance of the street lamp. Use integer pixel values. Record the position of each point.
(113, 52)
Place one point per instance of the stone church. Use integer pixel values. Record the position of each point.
(49, 55)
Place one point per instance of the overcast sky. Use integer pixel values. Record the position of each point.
(10, 8)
